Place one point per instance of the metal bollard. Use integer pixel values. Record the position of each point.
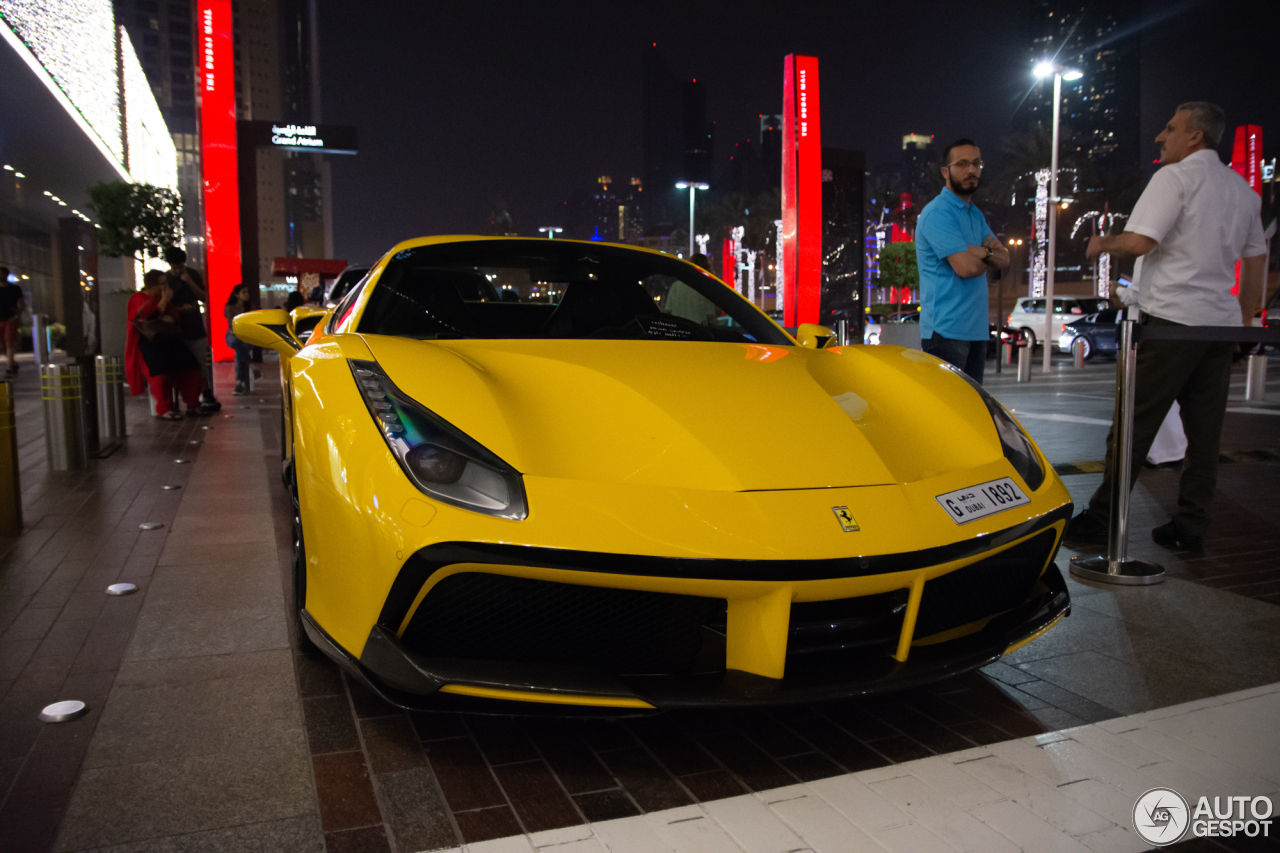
(1255, 383)
(39, 342)
(1024, 364)
(842, 333)
(1077, 352)
(10, 486)
(111, 426)
(64, 438)
(1007, 352)
(1116, 566)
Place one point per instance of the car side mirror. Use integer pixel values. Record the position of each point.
(268, 328)
(304, 319)
(814, 336)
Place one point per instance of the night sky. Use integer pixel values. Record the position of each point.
(461, 104)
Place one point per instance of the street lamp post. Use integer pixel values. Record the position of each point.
(692, 186)
(551, 231)
(1044, 69)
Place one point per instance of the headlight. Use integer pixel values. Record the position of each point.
(439, 458)
(1017, 446)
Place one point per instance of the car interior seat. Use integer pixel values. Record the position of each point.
(428, 302)
(587, 307)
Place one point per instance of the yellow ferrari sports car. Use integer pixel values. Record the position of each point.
(593, 475)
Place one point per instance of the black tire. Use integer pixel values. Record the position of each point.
(1030, 338)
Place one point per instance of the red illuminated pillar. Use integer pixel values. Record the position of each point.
(1246, 159)
(216, 65)
(801, 192)
(728, 264)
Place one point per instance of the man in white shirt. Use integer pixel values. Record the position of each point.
(1193, 222)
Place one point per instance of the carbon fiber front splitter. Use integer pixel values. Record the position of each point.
(413, 681)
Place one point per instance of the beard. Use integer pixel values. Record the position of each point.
(959, 190)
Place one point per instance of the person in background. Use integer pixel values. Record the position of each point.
(155, 355)
(238, 303)
(188, 292)
(294, 299)
(11, 307)
(1194, 220)
(955, 250)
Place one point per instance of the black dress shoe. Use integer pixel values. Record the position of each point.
(1169, 536)
(1087, 529)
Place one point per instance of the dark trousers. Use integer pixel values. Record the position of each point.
(969, 356)
(1198, 375)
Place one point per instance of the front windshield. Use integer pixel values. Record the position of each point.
(556, 290)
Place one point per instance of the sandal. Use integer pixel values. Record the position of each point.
(170, 416)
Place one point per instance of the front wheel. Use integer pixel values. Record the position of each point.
(1030, 337)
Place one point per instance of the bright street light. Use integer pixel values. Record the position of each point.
(1042, 70)
(551, 232)
(691, 186)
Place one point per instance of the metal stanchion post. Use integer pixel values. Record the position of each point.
(64, 438)
(110, 370)
(1116, 567)
(39, 344)
(1255, 387)
(1077, 352)
(1024, 364)
(10, 486)
(842, 332)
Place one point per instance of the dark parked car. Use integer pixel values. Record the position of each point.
(1098, 331)
(1008, 334)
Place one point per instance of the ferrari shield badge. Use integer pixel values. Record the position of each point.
(845, 518)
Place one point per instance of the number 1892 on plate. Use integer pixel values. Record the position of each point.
(965, 505)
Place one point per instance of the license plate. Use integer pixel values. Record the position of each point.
(965, 505)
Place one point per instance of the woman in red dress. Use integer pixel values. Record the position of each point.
(154, 355)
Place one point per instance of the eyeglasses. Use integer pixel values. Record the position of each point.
(965, 164)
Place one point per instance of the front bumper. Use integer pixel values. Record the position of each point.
(616, 630)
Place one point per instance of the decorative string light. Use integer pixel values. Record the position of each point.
(1041, 252)
(779, 279)
(74, 42)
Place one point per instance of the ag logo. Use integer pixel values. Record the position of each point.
(845, 518)
(1161, 816)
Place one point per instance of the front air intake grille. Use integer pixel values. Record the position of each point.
(984, 588)
(481, 616)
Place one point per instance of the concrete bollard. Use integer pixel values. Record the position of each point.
(1255, 387)
(10, 484)
(1077, 352)
(39, 340)
(1024, 364)
(64, 433)
(110, 371)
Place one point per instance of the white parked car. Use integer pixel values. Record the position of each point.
(1028, 314)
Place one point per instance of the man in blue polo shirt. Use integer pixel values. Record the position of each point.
(954, 251)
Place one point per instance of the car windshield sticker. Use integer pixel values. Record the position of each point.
(666, 327)
(965, 505)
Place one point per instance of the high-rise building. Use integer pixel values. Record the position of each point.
(679, 142)
(278, 79)
(611, 211)
(917, 164)
(163, 35)
(1099, 116)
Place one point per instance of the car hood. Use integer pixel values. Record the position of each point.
(719, 416)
